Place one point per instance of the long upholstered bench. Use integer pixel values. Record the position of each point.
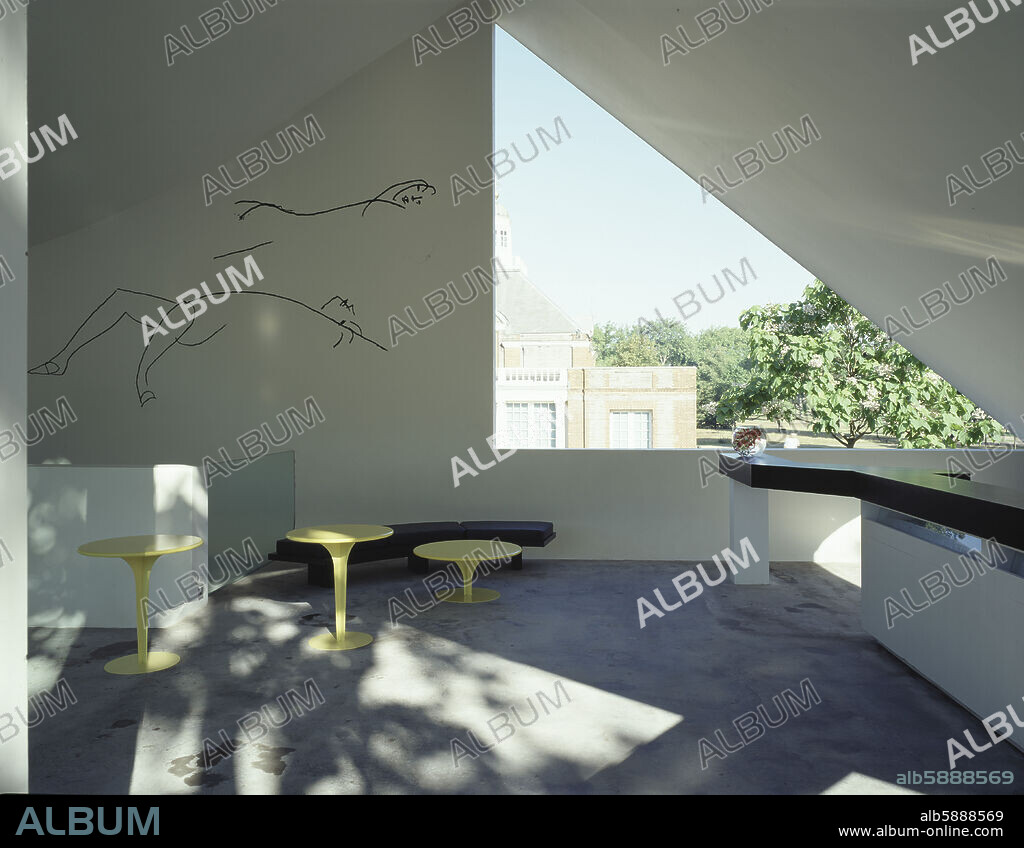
(526, 534)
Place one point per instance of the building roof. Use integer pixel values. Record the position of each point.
(526, 309)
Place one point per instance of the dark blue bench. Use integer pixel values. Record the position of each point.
(320, 571)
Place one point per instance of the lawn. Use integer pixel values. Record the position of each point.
(723, 438)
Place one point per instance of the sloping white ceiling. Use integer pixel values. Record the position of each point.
(866, 207)
(213, 103)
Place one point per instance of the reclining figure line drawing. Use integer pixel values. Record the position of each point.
(399, 194)
(134, 305)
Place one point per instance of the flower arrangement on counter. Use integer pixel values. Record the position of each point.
(749, 441)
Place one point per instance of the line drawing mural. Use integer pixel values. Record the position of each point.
(135, 305)
(126, 303)
(243, 250)
(399, 194)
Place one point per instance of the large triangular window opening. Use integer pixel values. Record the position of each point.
(634, 310)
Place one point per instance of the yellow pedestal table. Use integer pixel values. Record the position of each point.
(467, 554)
(339, 539)
(141, 552)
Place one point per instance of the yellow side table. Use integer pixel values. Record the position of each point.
(467, 554)
(339, 539)
(141, 552)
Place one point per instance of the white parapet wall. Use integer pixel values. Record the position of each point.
(71, 504)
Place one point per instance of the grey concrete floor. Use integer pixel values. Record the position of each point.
(600, 705)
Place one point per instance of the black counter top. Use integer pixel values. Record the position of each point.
(952, 500)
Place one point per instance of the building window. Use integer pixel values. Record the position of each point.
(631, 430)
(504, 238)
(530, 425)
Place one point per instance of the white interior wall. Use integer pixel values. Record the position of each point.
(167, 120)
(392, 419)
(13, 333)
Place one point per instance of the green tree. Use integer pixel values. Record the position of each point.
(718, 353)
(647, 343)
(621, 346)
(820, 362)
(671, 339)
(721, 357)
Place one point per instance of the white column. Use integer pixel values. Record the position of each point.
(13, 409)
(749, 518)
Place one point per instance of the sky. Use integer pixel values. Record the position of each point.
(608, 227)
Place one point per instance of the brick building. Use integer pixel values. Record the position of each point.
(550, 394)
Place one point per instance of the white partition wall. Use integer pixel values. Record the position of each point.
(249, 511)
(72, 505)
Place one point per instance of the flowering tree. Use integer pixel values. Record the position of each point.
(820, 362)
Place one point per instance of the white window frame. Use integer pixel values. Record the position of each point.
(533, 424)
(634, 431)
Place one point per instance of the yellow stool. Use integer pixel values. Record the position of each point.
(467, 554)
(339, 539)
(141, 552)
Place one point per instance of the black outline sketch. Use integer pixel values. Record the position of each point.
(159, 345)
(343, 302)
(243, 250)
(402, 194)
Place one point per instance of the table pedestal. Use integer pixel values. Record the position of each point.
(467, 594)
(142, 662)
(340, 640)
(749, 517)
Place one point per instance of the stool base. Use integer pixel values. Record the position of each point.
(155, 661)
(349, 640)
